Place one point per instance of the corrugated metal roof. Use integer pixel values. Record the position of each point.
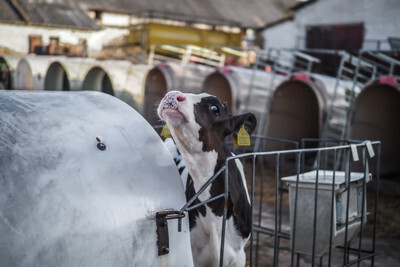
(8, 13)
(246, 13)
(73, 13)
(50, 13)
(60, 14)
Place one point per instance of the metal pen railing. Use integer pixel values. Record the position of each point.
(368, 149)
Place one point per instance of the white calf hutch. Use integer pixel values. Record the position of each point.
(83, 176)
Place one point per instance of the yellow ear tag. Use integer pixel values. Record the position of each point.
(243, 138)
(165, 132)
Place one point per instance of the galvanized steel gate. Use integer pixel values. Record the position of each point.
(327, 230)
(317, 212)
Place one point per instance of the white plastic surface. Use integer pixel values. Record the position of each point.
(64, 202)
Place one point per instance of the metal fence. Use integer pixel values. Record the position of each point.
(332, 160)
(317, 212)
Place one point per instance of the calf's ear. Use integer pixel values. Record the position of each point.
(248, 120)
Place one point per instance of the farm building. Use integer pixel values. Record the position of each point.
(109, 30)
(340, 24)
(68, 27)
(357, 27)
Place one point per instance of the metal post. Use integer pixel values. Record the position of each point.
(252, 209)
(347, 179)
(298, 156)
(253, 76)
(151, 55)
(226, 195)
(333, 224)
(315, 209)
(365, 161)
(266, 107)
(276, 248)
(328, 116)
(377, 173)
(260, 206)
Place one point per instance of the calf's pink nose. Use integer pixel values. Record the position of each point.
(181, 98)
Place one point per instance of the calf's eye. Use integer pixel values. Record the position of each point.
(214, 109)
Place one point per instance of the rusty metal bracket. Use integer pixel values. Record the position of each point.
(162, 218)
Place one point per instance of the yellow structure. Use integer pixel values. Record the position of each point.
(148, 34)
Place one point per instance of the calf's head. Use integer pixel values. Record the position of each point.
(201, 122)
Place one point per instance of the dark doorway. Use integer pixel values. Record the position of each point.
(98, 80)
(5, 75)
(56, 78)
(375, 116)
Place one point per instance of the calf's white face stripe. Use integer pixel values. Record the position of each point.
(180, 117)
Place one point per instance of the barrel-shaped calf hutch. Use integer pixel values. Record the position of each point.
(56, 78)
(97, 79)
(8, 65)
(67, 73)
(31, 73)
(375, 116)
(51, 73)
(156, 85)
(243, 89)
(114, 77)
(224, 86)
(83, 176)
(119, 78)
(297, 109)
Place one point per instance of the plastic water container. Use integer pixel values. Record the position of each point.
(328, 182)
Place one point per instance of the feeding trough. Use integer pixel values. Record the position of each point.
(83, 177)
(333, 224)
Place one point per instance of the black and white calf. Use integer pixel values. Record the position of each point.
(199, 125)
